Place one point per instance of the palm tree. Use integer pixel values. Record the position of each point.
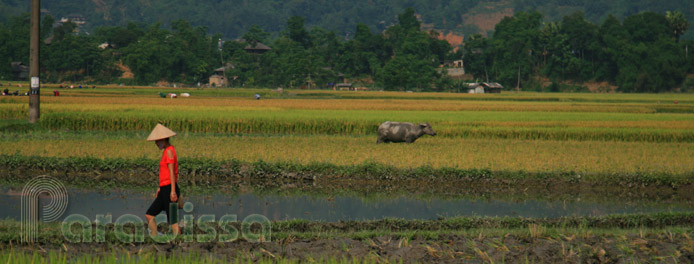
(678, 23)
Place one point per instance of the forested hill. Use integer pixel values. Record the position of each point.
(232, 18)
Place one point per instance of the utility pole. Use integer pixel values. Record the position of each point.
(34, 110)
(220, 44)
(518, 83)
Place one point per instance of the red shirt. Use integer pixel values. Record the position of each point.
(164, 177)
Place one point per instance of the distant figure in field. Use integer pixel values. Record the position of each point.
(257, 96)
(402, 132)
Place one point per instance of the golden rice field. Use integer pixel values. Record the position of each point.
(592, 133)
(127, 101)
(497, 155)
(452, 118)
(150, 91)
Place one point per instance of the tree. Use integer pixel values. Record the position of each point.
(478, 57)
(47, 22)
(255, 35)
(197, 52)
(415, 56)
(14, 43)
(297, 32)
(363, 55)
(515, 45)
(407, 72)
(63, 30)
(288, 64)
(557, 56)
(408, 21)
(649, 61)
(120, 37)
(407, 25)
(613, 38)
(647, 27)
(326, 46)
(678, 23)
(440, 48)
(582, 40)
(151, 57)
(74, 57)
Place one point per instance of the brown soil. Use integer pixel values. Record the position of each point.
(487, 21)
(600, 87)
(456, 40)
(163, 83)
(595, 87)
(586, 248)
(127, 73)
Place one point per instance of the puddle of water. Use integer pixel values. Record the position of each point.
(275, 207)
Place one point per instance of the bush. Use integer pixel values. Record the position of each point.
(688, 86)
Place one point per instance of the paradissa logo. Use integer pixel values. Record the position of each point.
(30, 204)
(130, 228)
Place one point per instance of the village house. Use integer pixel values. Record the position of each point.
(20, 71)
(74, 18)
(483, 87)
(219, 77)
(258, 48)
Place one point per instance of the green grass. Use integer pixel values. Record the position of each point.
(117, 257)
(430, 229)
(211, 172)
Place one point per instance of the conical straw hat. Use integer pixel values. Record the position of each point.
(160, 132)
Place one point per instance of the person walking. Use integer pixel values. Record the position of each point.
(168, 192)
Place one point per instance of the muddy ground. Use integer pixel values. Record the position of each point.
(586, 248)
(580, 247)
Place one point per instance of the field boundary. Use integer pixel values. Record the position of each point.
(206, 172)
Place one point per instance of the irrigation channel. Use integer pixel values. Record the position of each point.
(336, 208)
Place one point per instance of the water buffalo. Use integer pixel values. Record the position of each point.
(402, 131)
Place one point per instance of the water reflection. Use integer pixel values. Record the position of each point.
(277, 207)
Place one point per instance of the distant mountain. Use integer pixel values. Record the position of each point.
(232, 18)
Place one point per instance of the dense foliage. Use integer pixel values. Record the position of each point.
(232, 18)
(643, 53)
(403, 58)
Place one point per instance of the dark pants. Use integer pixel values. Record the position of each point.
(161, 203)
